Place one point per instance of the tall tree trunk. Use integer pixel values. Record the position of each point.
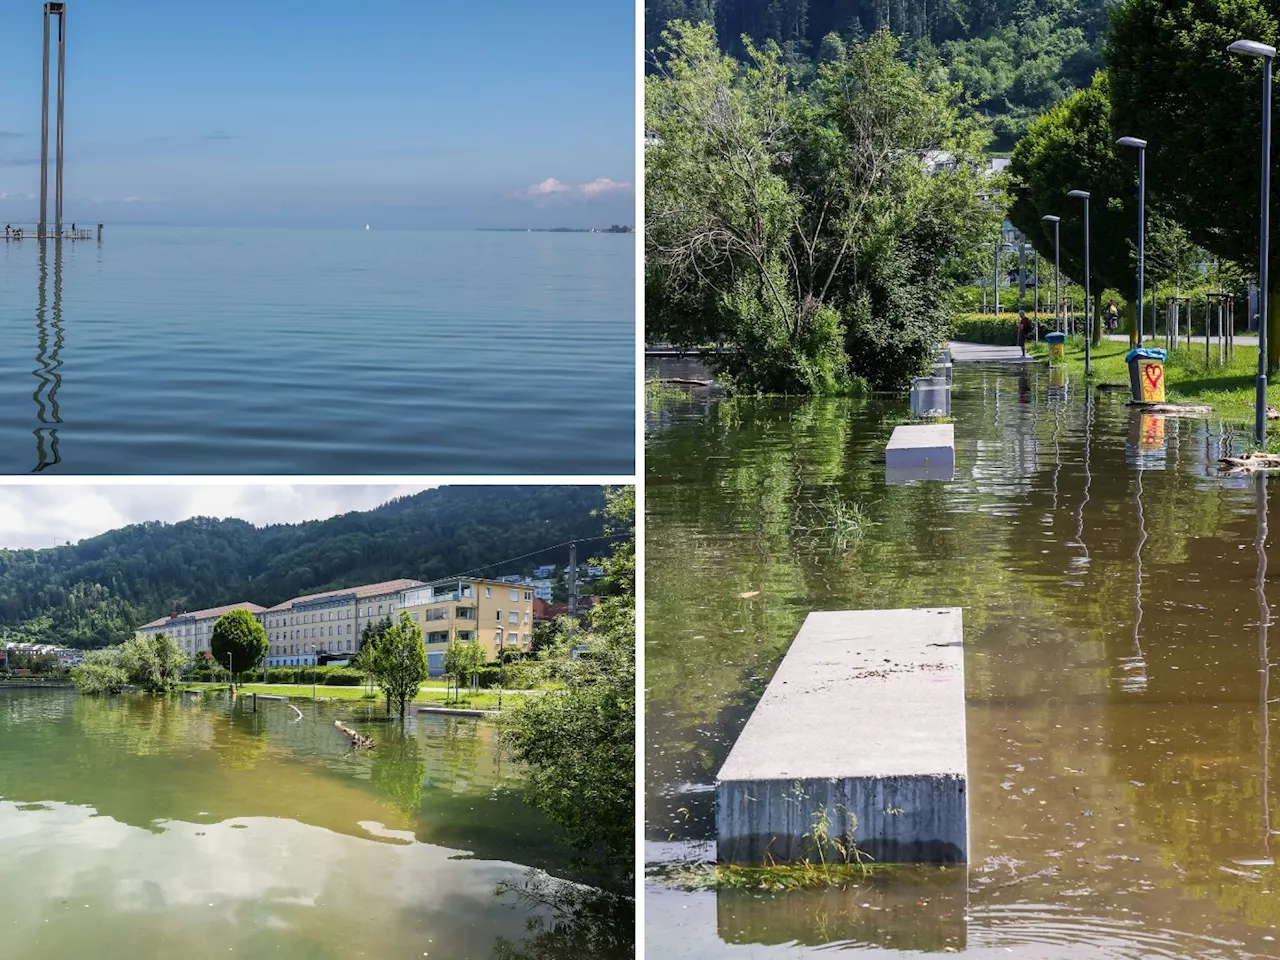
(1131, 319)
(1099, 321)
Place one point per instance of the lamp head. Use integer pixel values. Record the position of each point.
(1252, 48)
(1131, 142)
(1050, 218)
(1079, 194)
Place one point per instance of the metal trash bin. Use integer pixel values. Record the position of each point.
(1146, 374)
(1057, 346)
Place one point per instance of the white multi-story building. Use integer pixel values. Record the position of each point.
(301, 629)
(191, 630)
(542, 589)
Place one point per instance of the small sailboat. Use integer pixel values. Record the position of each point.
(366, 226)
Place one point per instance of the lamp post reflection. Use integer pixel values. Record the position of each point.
(49, 338)
(1264, 622)
(1135, 667)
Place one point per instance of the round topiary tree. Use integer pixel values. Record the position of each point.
(239, 641)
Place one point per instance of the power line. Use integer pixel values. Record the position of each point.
(523, 556)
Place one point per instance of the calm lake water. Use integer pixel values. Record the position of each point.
(167, 350)
(139, 828)
(1124, 786)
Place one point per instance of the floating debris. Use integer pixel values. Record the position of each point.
(358, 740)
(1254, 460)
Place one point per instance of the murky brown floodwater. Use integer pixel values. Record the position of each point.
(1115, 606)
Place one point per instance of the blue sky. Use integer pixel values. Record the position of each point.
(437, 113)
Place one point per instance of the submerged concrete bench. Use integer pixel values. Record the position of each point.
(863, 728)
(922, 449)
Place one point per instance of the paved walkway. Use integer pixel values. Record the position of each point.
(985, 353)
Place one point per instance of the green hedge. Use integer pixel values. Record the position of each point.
(328, 676)
(987, 328)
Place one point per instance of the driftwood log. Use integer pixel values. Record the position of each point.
(358, 740)
(1250, 461)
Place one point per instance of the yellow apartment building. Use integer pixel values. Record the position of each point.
(497, 613)
(191, 630)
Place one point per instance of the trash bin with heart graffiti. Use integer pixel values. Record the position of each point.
(1146, 374)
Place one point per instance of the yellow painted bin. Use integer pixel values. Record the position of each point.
(1057, 346)
(1146, 374)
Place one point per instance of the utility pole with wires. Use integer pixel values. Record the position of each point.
(573, 578)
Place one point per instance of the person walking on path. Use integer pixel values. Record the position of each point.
(1024, 327)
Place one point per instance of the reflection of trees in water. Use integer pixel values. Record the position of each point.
(238, 740)
(398, 769)
(49, 360)
(570, 921)
(140, 725)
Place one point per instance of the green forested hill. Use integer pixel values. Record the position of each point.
(1015, 58)
(97, 590)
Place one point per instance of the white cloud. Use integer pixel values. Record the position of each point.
(45, 516)
(552, 189)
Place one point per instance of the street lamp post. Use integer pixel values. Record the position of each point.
(1057, 303)
(1252, 48)
(1088, 326)
(1141, 147)
(315, 660)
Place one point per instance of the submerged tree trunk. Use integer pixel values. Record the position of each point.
(1099, 321)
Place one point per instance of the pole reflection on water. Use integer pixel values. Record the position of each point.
(1264, 669)
(49, 359)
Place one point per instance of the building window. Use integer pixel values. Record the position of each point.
(497, 636)
(513, 617)
(415, 616)
(528, 595)
(515, 595)
(498, 616)
(488, 591)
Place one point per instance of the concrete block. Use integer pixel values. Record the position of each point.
(921, 451)
(862, 727)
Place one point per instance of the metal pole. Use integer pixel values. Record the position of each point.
(995, 280)
(1142, 235)
(573, 578)
(44, 133)
(1088, 304)
(1263, 267)
(1057, 297)
(1036, 310)
(62, 63)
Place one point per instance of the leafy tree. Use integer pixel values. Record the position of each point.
(1174, 84)
(579, 745)
(366, 657)
(100, 672)
(238, 641)
(1072, 147)
(463, 660)
(804, 226)
(401, 663)
(40, 664)
(155, 663)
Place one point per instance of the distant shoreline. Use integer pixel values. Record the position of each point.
(613, 229)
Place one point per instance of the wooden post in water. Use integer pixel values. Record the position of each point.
(255, 702)
(99, 233)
